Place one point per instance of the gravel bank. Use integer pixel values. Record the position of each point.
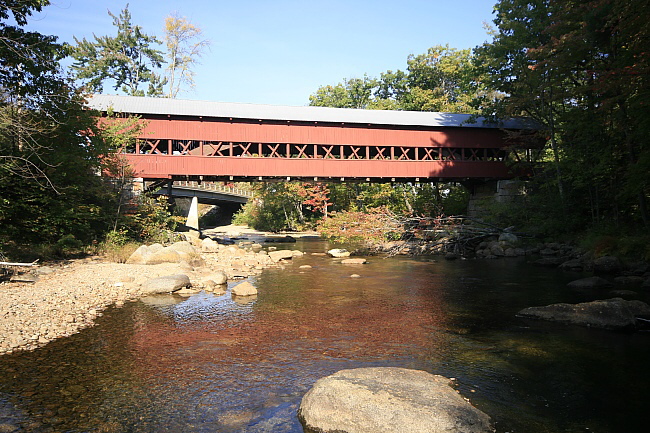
(69, 297)
(67, 300)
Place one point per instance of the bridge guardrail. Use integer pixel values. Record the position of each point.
(213, 186)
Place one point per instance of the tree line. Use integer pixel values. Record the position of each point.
(580, 70)
(52, 149)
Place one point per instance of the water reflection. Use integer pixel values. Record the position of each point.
(212, 363)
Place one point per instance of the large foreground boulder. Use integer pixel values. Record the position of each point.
(614, 314)
(388, 400)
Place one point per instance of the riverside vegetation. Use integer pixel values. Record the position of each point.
(580, 71)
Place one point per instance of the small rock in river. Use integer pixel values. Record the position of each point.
(244, 289)
(355, 261)
(339, 252)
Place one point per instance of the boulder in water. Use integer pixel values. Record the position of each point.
(244, 289)
(339, 252)
(614, 314)
(276, 256)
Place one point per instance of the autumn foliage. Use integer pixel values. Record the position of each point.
(374, 226)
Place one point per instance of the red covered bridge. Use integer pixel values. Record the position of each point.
(186, 139)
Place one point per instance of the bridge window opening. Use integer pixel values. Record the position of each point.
(471, 154)
(405, 154)
(242, 149)
(327, 152)
(353, 152)
(216, 149)
(495, 155)
(147, 147)
(377, 152)
(429, 154)
(185, 147)
(450, 154)
(268, 150)
(300, 151)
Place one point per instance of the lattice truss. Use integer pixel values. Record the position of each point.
(319, 151)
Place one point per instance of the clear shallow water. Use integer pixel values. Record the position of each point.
(210, 364)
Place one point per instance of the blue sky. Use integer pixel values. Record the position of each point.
(279, 52)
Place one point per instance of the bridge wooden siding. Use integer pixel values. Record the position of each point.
(182, 145)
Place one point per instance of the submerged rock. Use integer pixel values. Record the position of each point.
(629, 280)
(550, 262)
(388, 400)
(589, 283)
(355, 261)
(614, 314)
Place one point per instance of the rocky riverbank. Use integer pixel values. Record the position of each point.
(58, 300)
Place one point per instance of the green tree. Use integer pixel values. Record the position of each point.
(531, 91)
(129, 59)
(20, 10)
(277, 206)
(51, 148)
(352, 93)
(443, 79)
(581, 69)
(185, 46)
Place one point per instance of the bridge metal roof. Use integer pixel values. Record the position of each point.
(184, 107)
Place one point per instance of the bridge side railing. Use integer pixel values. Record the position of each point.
(213, 186)
(323, 151)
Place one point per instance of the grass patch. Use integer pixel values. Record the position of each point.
(118, 253)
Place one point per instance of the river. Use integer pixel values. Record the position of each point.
(207, 363)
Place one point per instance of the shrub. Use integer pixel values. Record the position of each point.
(376, 226)
(118, 246)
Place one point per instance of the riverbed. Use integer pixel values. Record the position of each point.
(209, 363)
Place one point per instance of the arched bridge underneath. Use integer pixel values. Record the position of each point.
(200, 140)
